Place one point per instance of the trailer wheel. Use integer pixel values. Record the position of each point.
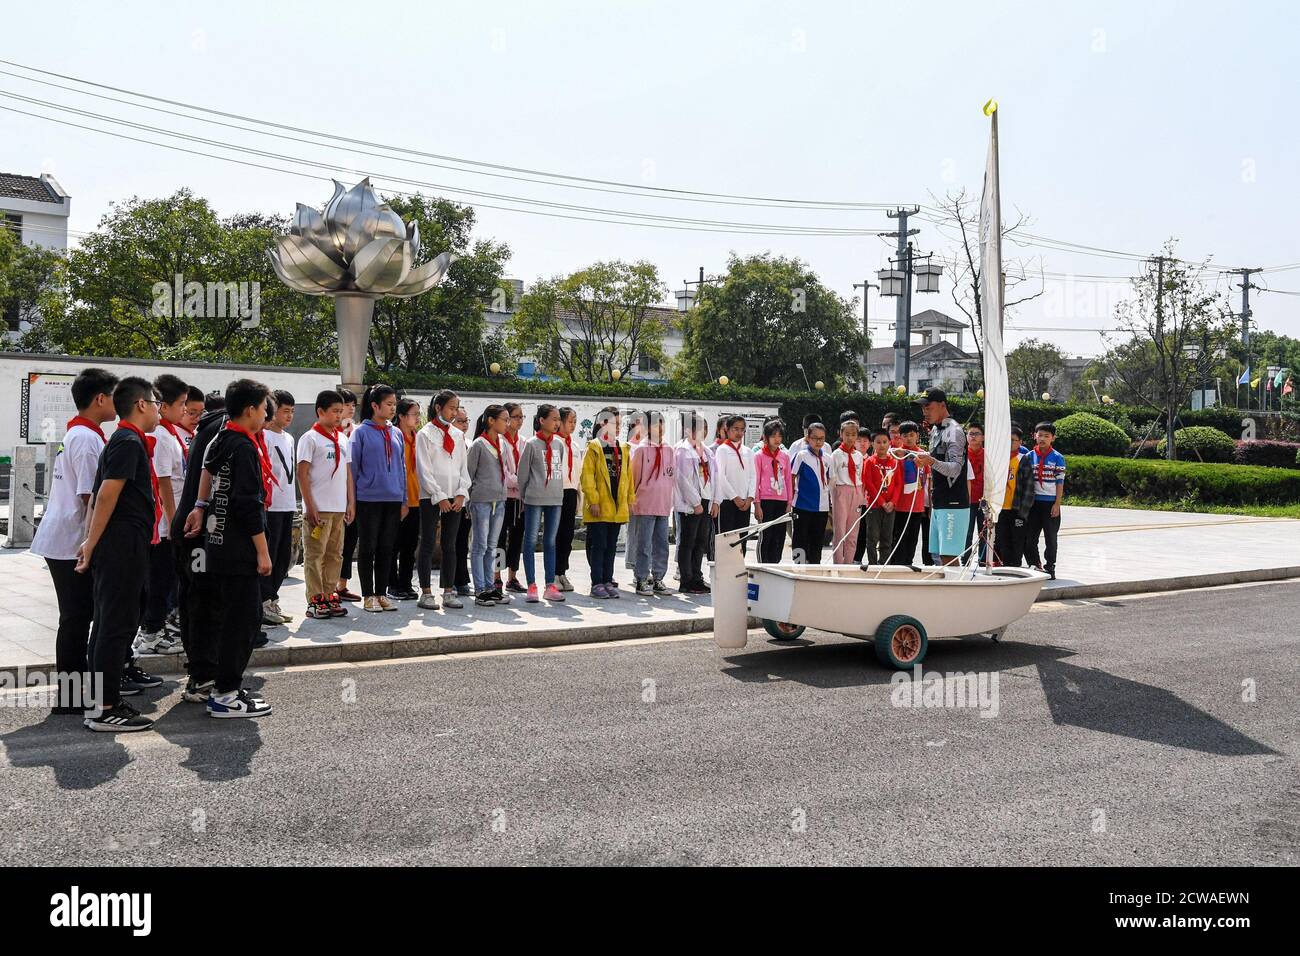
(780, 631)
(901, 642)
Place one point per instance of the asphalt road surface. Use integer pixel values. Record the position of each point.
(1149, 730)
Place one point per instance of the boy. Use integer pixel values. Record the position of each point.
(1009, 535)
(1048, 467)
(282, 507)
(194, 409)
(235, 552)
(914, 479)
(846, 491)
(881, 492)
(169, 460)
(811, 473)
(63, 528)
(327, 502)
(347, 422)
(975, 485)
(800, 443)
(123, 524)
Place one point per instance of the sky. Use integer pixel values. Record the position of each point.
(1122, 126)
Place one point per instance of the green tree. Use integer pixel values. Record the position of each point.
(1032, 367)
(30, 279)
(586, 325)
(767, 316)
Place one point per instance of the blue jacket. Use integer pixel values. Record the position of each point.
(378, 475)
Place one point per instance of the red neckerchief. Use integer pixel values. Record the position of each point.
(267, 470)
(658, 451)
(85, 423)
(185, 452)
(268, 479)
(495, 442)
(853, 468)
(545, 440)
(388, 439)
(568, 445)
(1040, 461)
(149, 443)
(334, 439)
(448, 445)
(728, 443)
(704, 461)
(514, 445)
(776, 459)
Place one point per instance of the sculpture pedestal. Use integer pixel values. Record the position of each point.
(353, 314)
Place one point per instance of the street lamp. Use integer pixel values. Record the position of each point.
(891, 281)
(927, 276)
(896, 281)
(807, 384)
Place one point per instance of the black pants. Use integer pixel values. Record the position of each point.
(808, 536)
(349, 547)
(279, 544)
(462, 549)
(120, 570)
(512, 533)
(162, 576)
(975, 527)
(730, 518)
(693, 534)
(771, 541)
(431, 516)
(907, 528)
(1008, 540)
(1040, 521)
(376, 542)
(76, 594)
(408, 540)
(564, 536)
(226, 632)
(926, 557)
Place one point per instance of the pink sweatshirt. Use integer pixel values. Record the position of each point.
(774, 482)
(654, 489)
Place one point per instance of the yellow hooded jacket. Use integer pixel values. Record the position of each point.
(595, 485)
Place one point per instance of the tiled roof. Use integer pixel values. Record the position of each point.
(30, 188)
(944, 351)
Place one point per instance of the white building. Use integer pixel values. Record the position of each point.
(36, 209)
(935, 361)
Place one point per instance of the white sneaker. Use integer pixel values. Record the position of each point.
(562, 581)
(157, 642)
(275, 606)
(427, 602)
(238, 704)
(450, 599)
(269, 617)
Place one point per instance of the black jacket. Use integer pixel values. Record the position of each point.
(1023, 501)
(204, 432)
(237, 510)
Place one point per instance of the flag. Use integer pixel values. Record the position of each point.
(997, 398)
(1280, 378)
(1268, 384)
(1245, 377)
(1288, 388)
(1254, 383)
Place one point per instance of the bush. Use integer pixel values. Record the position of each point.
(1270, 454)
(1178, 481)
(1086, 434)
(1200, 443)
(1143, 449)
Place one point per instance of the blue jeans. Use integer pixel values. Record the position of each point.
(532, 517)
(651, 537)
(602, 544)
(485, 527)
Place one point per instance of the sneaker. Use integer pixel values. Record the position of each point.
(428, 602)
(136, 679)
(121, 718)
(485, 599)
(156, 642)
(346, 595)
(514, 585)
(319, 607)
(451, 599)
(261, 640)
(599, 591)
(699, 587)
(385, 604)
(269, 617)
(500, 596)
(645, 587)
(371, 604)
(563, 583)
(336, 606)
(611, 590)
(553, 593)
(197, 692)
(173, 622)
(403, 595)
(660, 588)
(532, 594)
(464, 590)
(275, 606)
(238, 704)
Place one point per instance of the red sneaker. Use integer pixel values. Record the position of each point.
(335, 606)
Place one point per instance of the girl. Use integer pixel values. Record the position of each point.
(635, 436)
(654, 470)
(693, 502)
(573, 455)
(408, 532)
(512, 528)
(811, 501)
(379, 478)
(736, 479)
(607, 489)
(541, 489)
(487, 500)
(463, 588)
(775, 490)
(444, 485)
(345, 430)
(846, 493)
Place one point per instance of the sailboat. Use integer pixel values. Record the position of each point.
(898, 608)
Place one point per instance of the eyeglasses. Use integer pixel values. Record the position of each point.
(153, 401)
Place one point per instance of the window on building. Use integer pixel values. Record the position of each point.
(647, 363)
(14, 222)
(925, 383)
(887, 386)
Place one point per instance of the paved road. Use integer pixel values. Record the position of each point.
(1121, 737)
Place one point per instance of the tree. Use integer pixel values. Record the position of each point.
(30, 279)
(443, 330)
(768, 316)
(586, 325)
(1032, 366)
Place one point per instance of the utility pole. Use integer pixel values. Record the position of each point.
(865, 285)
(1245, 321)
(1168, 385)
(903, 313)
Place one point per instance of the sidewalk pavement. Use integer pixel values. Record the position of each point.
(1103, 552)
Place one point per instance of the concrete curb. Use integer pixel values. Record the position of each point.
(1182, 583)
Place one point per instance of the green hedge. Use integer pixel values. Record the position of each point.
(1200, 443)
(1086, 434)
(1180, 481)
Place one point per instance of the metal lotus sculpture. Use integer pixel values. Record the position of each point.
(356, 250)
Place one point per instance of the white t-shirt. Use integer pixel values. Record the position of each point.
(169, 463)
(329, 486)
(63, 526)
(284, 491)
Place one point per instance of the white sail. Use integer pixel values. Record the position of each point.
(997, 401)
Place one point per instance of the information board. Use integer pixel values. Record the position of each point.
(49, 406)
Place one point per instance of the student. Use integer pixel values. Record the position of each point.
(890, 423)
(737, 481)
(444, 487)
(636, 430)
(346, 428)
(846, 492)
(63, 528)
(719, 436)
(485, 465)
(975, 483)
(812, 472)
(949, 492)
(1048, 467)
(774, 490)
(573, 454)
(194, 409)
(400, 587)
(123, 525)
(328, 504)
(512, 528)
(609, 495)
(1009, 535)
(378, 473)
(693, 502)
(881, 491)
(541, 489)
(169, 462)
(283, 505)
(654, 478)
(800, 443)
(910, 511)
(463, 589)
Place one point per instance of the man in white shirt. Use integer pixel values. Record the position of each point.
(283, 505)
(64, 525)
(170, 456)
